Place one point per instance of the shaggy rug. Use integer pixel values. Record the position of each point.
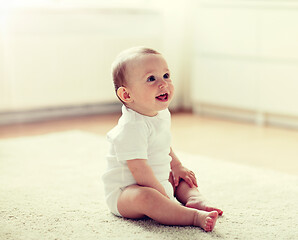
(50, 188)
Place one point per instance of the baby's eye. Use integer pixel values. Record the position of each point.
(151, 79)
(166, 76)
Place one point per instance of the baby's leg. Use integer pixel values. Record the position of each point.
(192, 198)
(137, 202)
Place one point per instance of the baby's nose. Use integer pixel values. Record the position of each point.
(163, 84)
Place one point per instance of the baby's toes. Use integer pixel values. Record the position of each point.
(210, 221)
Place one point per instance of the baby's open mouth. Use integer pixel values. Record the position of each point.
(163, 97)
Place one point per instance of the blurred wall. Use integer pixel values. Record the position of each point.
(224, 55)
(54, 56)
(246, 60)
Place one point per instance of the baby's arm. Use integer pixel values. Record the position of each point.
(144, 176)
(179, 171)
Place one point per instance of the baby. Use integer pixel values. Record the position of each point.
(144, 175)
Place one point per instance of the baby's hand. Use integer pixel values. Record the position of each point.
(182, 172)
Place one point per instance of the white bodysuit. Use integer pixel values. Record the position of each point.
(137, 137)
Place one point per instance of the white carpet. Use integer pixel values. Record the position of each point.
(50, 188)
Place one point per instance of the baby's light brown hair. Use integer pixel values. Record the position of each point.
(120, 63)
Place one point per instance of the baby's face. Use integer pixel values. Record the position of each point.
(149, 84)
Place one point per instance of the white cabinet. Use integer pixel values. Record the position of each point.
(279, 88)
(246, 56)
(225, 30)
(60, 57)
(278, 33)
(222, 82)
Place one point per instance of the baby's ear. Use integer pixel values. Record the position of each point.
(123, 94)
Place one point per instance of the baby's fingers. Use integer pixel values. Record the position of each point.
(193, 178)
(176, 181)
(188, 180)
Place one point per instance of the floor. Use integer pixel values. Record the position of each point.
(243, 143)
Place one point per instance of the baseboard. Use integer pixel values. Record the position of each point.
(282, 121)
(35, 115)
(246, 115)
(228, 113)
(202, 109)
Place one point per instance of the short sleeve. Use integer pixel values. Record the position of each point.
(130, 141)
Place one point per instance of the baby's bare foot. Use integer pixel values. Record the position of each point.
(201, 204)
(205, 220)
